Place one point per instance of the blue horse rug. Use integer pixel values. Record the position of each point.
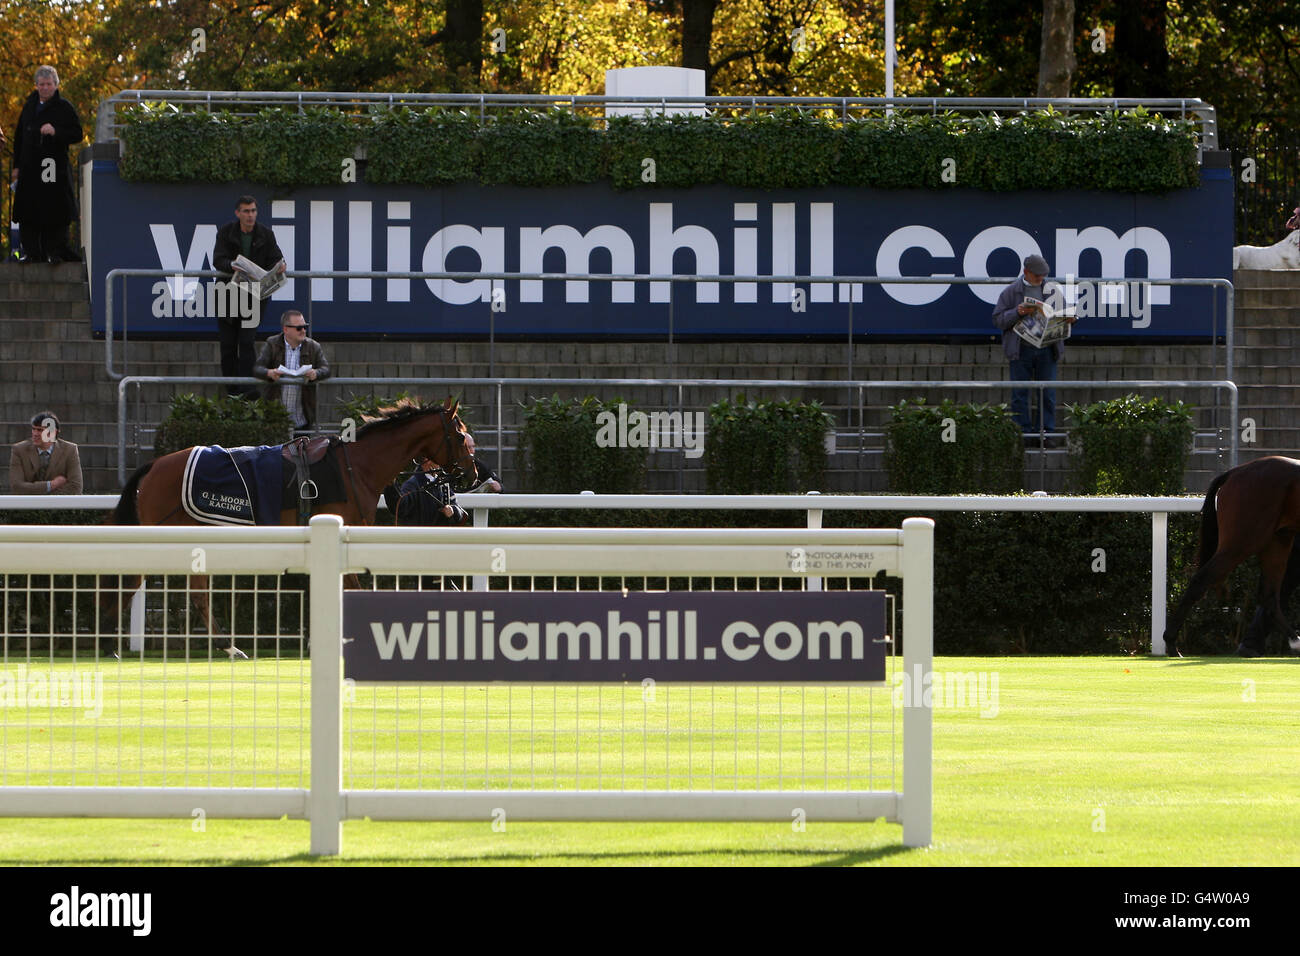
(233, 485)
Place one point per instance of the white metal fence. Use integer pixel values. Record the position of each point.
(181, 727)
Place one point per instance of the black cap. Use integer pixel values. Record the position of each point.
(1037, 265)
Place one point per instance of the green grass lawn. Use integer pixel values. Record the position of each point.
(1092, 761)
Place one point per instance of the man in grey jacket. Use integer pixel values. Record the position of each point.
(284, 355)
(1028, 364)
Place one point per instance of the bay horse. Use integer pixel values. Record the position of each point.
(383, 445)
(1251, 509)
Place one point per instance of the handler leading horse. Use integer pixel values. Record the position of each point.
(1257, 511)
(152, 495)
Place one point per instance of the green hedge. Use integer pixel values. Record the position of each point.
(1126, 446)
(559, 454)
(229, 421)
(765, 448)
(165, 146)
(1133, 151)
(951, 449)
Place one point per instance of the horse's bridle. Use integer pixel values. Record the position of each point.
(453, 469)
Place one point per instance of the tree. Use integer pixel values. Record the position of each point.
(1056, 60)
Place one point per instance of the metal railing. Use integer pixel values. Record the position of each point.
(110, 332)
(856, 406)
(241, 103)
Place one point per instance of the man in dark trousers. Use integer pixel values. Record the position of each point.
(294, 351)
(256, 243)
(44, 204)
(1028, 363)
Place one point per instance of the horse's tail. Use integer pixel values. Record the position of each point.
(125, 512)
(1210, 521)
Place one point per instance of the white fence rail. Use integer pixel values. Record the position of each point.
(813, 504)
(242, 736)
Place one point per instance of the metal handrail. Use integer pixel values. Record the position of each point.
(860, 385)
(107, 126)
(1225, 284)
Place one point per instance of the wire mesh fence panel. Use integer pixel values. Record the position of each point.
(638, 735)
(211, 690)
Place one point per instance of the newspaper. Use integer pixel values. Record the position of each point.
(267, 280)
(1044, 326)
(298, 372)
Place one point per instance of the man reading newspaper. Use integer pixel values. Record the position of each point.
(241, 244)
(1034, 351)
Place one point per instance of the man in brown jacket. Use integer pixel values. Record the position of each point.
(291, 350)
(45, 464)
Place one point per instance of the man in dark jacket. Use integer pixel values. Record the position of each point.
(291, 350)
(1028, 363)
(44, 203)
(242, 237)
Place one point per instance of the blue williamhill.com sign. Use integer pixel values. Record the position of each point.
(574, 637)
(709, 230)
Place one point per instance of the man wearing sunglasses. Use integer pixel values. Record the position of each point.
(293, 364)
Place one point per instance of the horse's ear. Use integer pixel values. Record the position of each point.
(452, 404)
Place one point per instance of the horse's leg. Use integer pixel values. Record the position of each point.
(1253, 644)
(1210, 575)
(109, 614)
(1273, 562)
(201, 599)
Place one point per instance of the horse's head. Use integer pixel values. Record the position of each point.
(451, 446)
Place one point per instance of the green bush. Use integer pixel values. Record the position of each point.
(1133, 151)
(166, 146)
(686, 150)
(285, 147)
(422, 147)
(229, 421)
(779, 150)
(559, 453)
(951, 449)
(529, 148)
(765, 448)
(1126, 446)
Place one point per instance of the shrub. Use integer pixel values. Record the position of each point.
(422, 147)
(761, 448)
(1132, 151)
(230, 421)
(951, 449)
(559, 453)
(1126, 446)
(529, 148)
(166, 146)
(285, 147)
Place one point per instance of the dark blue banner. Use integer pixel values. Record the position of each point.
(711, 230)
(575, 636)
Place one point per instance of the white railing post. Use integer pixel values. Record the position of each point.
(480, 581)
(1159, 575)
(918, 662)
(814, 524)
(137, 618)
(325, 802)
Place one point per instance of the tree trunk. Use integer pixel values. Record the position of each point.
(1056, 62)
(697, 38)
(1141, 55)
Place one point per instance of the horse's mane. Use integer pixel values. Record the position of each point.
(399, 413)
